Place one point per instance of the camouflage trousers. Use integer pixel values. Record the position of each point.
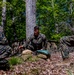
(65, 43)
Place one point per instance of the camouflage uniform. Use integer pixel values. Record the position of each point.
(15, 46)
(5, 50)
(36, 43)
(37, 46)
(64, 43)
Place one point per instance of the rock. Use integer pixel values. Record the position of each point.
(26, 57)
(26, 52)
(42, 56)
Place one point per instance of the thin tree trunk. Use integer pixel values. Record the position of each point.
(3, 14)
(71, 11)
(30, 17)
(3, 19)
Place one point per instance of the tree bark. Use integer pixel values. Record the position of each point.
(30, 17)
(3, 15)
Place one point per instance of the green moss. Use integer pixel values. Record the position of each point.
(15, 61)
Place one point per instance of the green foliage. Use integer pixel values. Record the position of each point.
(56, 37)
(16, 10)
(52, 12)
(49, 13)
(15, 61)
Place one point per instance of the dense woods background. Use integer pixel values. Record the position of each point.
(54, 17)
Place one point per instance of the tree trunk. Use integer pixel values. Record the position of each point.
(3, 20)
(71, 12)
(30, 17)
(3, 14)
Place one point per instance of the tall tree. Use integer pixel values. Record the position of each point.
(30, 17)
(3, 14)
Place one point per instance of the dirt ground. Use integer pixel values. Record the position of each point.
(53, 66)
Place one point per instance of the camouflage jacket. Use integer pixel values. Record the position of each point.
(36, 43)
(5, 49)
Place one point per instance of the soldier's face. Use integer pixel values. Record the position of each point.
(36, 32)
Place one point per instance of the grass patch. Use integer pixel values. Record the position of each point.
(15, 61)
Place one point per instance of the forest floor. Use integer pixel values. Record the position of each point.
(53, 66)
